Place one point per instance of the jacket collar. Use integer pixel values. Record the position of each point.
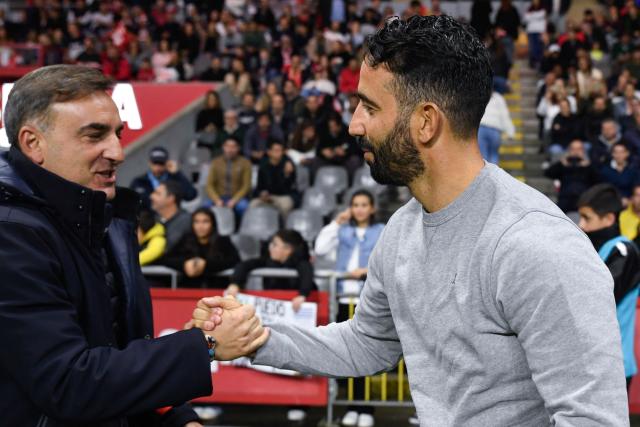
(82, 209)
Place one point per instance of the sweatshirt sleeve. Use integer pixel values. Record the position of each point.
(561, 308)
(364, 345)
(153, 251)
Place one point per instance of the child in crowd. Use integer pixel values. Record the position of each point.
(201, 253)
(352, 236)
(151, 238)
(599, 208)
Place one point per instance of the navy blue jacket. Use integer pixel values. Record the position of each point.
(59, 362)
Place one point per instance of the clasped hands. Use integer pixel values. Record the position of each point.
(235, 327)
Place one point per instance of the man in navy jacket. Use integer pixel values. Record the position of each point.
(76, 336)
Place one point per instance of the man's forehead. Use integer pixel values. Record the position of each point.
(374, 82)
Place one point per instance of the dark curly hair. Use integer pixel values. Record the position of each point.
(435, 59)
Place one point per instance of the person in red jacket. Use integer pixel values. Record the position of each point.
(115, 65)
(349, 77)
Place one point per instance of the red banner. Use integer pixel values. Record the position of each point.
(172, 309)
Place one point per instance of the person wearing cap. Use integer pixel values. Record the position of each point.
(160, 170)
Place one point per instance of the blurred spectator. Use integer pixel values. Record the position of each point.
(276, 180)
(230, 129)
(597, 113)
(349, 77)
(536, 24)
(632, 130)
(202, 253)
(481, 17)
(280, 117)
(590, 79)
(304, 144)
(161, 169)
(215, 72)
(349, 240)
(566, 127)
(601, 148)
(89, 56)
(294, 103)
(247, 113)
(575, 173)
(495, 121)
(549, 105)
(630, 217)
(623, 106)
(164, 62)
(150, 238)
(314, 111)
(634, 65)
(115, 65)
(287, 249)
(619, 172)
(145, 72)
(229, 180)
(599, 209)
(508, 19)
(238, 79)
(209, 121)
(256, 138)
(165, 201)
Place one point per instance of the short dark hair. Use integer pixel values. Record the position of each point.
(147, 220)
(32, 96)
(274, 141)
(212, 218)
(297, 242)
(602, 198)
(436, 59)
(173, 189)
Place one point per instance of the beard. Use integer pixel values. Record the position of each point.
(396, 160)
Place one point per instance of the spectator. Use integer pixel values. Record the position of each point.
(256, 138)
(145, 72)
(279, 115)
(209, 121)
(349, 77)
(564, 129)
(549, 105)
(150, 238)
(623, 106)
(575, 173)
(230, 129)
(601, 148)
(337, 147)
(619, 172)
(202, 253)
(276, 180)
(287, 249)
(247, 113)
(215, 72)
(165, 201)
(314, 111)
(229, 180)
(89, 57)
(599, 209)
(536, 24)
(508, 19)
(496, 119)
(632, 129)
(304, 144)
(164, 61)
(115, 65)
(349, 239)
(238, 79)
(294, 103)
(634, 65)
(630, 217)
(161, 169)
(481, 17)
(593, 118)
(590, 79)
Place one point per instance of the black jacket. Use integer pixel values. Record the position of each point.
(574, 180)
(304, 283)
(59, 364)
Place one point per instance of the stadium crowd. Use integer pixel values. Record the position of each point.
(292, 71)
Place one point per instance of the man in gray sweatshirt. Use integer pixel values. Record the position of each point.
(501, 307)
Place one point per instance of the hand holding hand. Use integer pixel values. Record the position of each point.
(358, 273)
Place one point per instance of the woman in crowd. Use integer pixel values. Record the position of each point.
(202, 253)
(352, 236)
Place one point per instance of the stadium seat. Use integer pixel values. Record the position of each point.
(332, 178)
(319, 200)
(225, 219)
(193, 159)
(248, 247)
(306, 222)
(362, 179)
(261, 222)
(302, 178)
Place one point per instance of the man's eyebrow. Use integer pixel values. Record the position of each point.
(93, 127)
(366, 99)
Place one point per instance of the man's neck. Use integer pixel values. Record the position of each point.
(448, 175)
(169, 212)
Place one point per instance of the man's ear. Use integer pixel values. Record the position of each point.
(610, 219)
(31, 142)
(430, 121)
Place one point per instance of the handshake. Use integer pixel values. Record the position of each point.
(235, 327)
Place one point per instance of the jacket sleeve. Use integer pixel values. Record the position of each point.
(624, 266)
(153, 251)
(227, 257)
(245, 188)
(242, 270)
(305, 278)
(52, 361)
(554, 171)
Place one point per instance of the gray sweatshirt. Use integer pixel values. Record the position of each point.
(500, 305)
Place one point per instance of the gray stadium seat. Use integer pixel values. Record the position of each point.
(225, 219)
(248, 247)
(332, 178)
(307, 223)
(362, 178)
(193, 159)
(302, 178)
(260, 222)
(319, 200)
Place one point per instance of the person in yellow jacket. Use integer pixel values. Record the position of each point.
(151, 238)
(630, 217)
